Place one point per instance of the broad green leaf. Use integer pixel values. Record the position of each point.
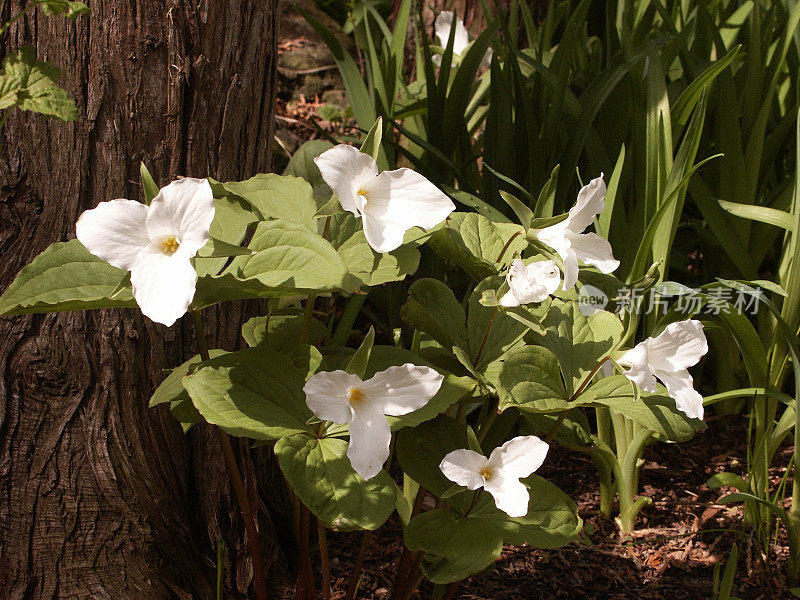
(292, 257)
(172, 391)
(280, 331)
(232, 216)
(480, 246)
(459, 546)
(30, 84)
(432, 308)
(65, 277)
(302, 165)
(573, 432)
(277, 196)
(490, 332)
(578, 342)
(255, 393)
(530, 380)
(656, 412)
(365, 264)
(321, 475)
(456, 546)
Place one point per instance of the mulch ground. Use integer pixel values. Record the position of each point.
(679, 538)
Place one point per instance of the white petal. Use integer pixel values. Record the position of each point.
(327, 393)
(464, 468)
(520, 456)
(382, 236)
(594, 250)
(640, 371)
(590, 204)
(570, 269)
(533, 282)
(370, 437)
(163, 285)
(184, 209)
(679, 346)
(345, 170)
(402, 389)
(442, 28)
(509, 300)
(114, 231)
(510, 494)
(681, 387)
(405, 199)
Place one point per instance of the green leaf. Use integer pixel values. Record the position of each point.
(290, 258)
(762, 214)
(656, 412)
(255, 393)
(280, 331)
(530, 380)
(217, 248)
(490, 332)
(577, 341)
(321, 475)
(302, 165)
(172, 391)
(480, 246)
(65, 277)
(372, 142)
(432, 308)
(278, 197)
(459, 546)
(357, 365)
(524, 214)
(68, 8)
(149, 187)
(369, 267)
(30, 84)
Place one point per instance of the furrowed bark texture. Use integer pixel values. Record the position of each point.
(101, 497)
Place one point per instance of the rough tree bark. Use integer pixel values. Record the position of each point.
(101, 497)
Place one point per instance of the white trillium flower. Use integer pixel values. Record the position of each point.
(344, 398)
(500, 473)
(442, 28)
(667, 357)
(154, 243)
(530, 283)
(389, 203)
(569, 241)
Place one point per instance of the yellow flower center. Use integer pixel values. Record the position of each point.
(365, 194)
(486, 473)
(355, 396)
(170, 245)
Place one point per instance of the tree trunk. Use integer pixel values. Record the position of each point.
(102, 497)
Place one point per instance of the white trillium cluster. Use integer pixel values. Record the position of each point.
(569, 241)
(668, 357)
(500, 473)
(530, 283)
(442, 28)
(155, 243)
(389, 203)
(344, 398)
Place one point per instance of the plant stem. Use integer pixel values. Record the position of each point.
(304, 590)
(307, 315)
(450, 591)
(404, 564)
(250, 527)
(485, 338)
(414, 576)
(557, 425)
(325, 559)
(508, 243)
(355, 576)
(17, 17)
